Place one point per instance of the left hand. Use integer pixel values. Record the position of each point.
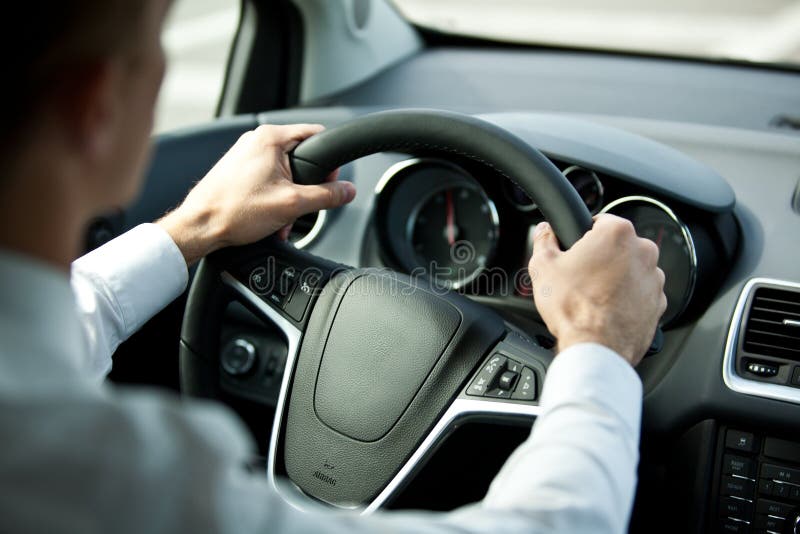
(249, 194)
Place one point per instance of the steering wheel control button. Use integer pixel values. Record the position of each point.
(513, 366)
(303, 291)
(238, 357)
(286, 280)
(487, 376)
(739, 466)
(526, 386)
(508, 380)
(740, 441)
(498, 393)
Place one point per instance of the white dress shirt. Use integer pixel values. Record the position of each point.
(78, 455)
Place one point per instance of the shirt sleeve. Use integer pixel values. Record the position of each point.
(121, 285)
(577, 471)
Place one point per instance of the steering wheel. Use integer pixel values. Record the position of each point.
(380, 366)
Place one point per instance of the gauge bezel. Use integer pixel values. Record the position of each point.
(687, 236)
(464, 179)
(533, 206)
(573, 168)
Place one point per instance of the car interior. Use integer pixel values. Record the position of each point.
(390, 356)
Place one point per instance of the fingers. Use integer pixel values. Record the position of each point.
(286, 136)
(324, 196)
(545, 243)
(332, 177)
(283, 233)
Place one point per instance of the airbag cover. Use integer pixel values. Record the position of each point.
(378, 356)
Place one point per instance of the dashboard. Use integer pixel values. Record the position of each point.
(721, 202)
(463, 227)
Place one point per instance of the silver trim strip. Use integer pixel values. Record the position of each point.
(312, 234)
(569, 170)
(395, 169)
(293, 336)
(790, 322)
(687, 236)
(729, 374)
(458, 410)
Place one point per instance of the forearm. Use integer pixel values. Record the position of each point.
(121, 285)
(196, 233)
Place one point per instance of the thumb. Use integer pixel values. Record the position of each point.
(545, 243)
(325, 196)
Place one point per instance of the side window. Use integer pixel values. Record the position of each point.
(197, 38)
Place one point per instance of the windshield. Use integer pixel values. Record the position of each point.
(762, 31)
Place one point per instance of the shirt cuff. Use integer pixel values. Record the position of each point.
(593, 371)
(143, 269)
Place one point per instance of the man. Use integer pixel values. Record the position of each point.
(81, 456)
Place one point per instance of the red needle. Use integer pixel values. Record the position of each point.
(660, 235)
(451, 219)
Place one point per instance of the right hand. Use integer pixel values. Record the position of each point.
(606, 289)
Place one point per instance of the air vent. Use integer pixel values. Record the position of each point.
(773, 324)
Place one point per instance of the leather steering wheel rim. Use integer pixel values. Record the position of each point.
(443, 133)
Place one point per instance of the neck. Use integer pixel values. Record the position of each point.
(41, 218)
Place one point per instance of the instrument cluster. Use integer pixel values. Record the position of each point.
(472, 232)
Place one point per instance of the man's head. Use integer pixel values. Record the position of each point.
(81, 80)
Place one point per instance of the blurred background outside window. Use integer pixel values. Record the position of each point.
(197, 39)
(199, 33)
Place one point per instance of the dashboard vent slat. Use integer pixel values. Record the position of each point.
(767, 332)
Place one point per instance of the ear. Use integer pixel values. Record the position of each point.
(91, 110)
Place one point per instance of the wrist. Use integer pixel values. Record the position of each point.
(193, 232)
(575, 338)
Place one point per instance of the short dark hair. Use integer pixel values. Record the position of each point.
(46, 44)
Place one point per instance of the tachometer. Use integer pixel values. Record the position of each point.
(677, 257)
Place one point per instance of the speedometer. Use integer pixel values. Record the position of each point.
(677, 257)
(453, 232)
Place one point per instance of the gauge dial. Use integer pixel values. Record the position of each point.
(677, 258)
(453, 233)
(585, 182)
(588, 186)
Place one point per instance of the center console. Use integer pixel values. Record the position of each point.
(758, 483)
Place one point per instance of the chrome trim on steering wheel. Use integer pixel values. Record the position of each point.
(458, 411)
(293, 336)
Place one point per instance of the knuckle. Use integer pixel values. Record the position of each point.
(622, 228)
(331, 196)
(651, 250)
(266, 133)
(293, 199)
